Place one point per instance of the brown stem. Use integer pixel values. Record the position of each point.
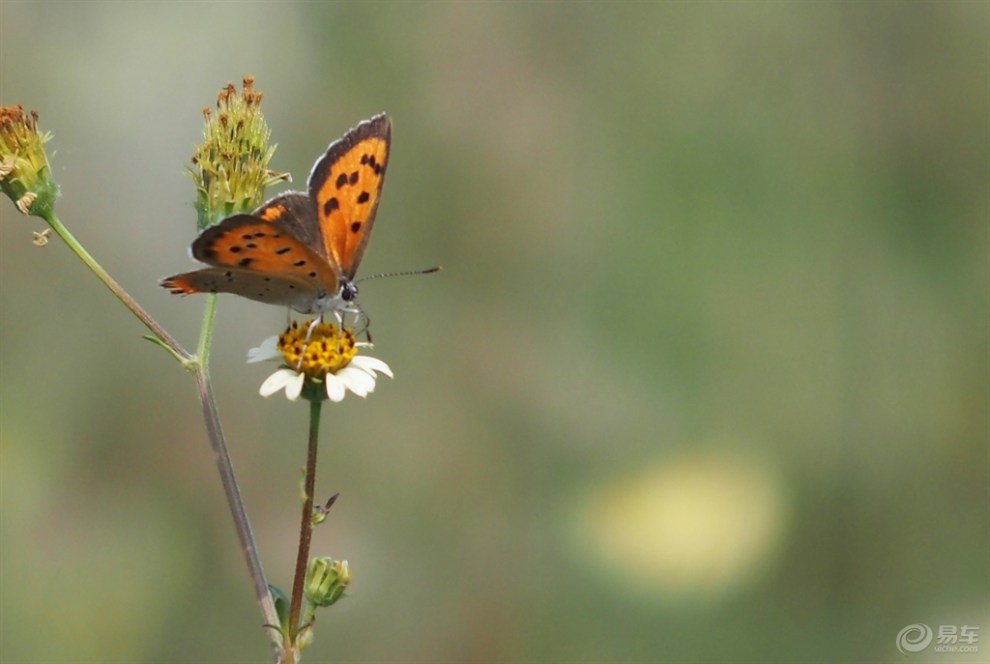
(236, 505)
(306, 524)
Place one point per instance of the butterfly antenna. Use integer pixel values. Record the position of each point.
(405, 273)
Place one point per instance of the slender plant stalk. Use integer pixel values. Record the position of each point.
(305, 526)
(116, 288)
(199, 366)
(225, 467)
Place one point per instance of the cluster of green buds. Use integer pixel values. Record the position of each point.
(25, 175)
(230, 166)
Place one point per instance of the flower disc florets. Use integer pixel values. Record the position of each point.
(327, 350)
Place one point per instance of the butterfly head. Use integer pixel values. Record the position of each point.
(348, 291)
(341, 301)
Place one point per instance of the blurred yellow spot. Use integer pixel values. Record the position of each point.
(693, 526)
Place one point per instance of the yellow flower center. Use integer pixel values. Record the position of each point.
(327, 350)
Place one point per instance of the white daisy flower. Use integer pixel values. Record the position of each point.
(324, 365)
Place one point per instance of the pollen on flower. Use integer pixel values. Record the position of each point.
(327, 350)
(24, 202)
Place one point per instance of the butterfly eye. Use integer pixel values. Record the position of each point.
(348, 291)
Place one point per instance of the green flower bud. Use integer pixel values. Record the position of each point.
(326, 580)
(230, 166)
(25, 175)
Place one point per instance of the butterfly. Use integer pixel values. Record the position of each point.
(301, 249)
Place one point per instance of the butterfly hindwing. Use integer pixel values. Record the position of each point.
(345, 186)
(285, 290)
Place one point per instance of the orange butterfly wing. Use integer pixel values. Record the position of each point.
(346, 185)
(294, 212)
(261, 260)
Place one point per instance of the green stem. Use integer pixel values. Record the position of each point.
(206, 331)
(116, 288)
(306, 524)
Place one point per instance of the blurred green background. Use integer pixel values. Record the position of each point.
(705, 378)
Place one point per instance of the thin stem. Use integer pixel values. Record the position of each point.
(206, 332)
(227, 478)
(306, 525)
(199, 365)
(116, 288)
(236, 504)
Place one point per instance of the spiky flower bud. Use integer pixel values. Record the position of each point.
(230, 166)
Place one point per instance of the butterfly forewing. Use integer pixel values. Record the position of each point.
(346, 185)
(242, 241)
(294, 212)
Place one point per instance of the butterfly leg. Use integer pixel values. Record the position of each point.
(309, 335)
(361, 318)
(339, 316)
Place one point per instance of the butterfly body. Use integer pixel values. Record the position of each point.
(301, 249)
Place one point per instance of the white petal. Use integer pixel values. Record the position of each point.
(294, 388)
(357, 381)
(276, 382)
(370, 365)
(268, 350)
(335, 388)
